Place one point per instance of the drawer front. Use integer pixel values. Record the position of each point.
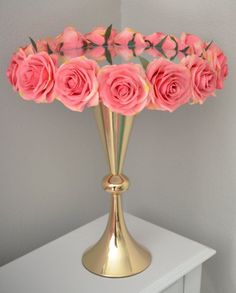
(177, 287)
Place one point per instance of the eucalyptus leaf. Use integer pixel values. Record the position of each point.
(33, 44)
(144, 62)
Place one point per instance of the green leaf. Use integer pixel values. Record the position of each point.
(208, 46)
(144, 62)
(108, 56)
(85, 45)
(49, 49)
(133, 52)
(159, 46)
(176, 48)
(162, 41)
(60, 46)
(94, 45)
(185, 50)
(149, 44)
(161, 51)
(131, 43)
(33, 44)
(107, 33)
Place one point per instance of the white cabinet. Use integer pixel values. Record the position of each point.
(56, 267)
(190, 283)
(177, 287)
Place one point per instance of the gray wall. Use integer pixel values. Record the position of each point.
(51, 161)
(182, 165)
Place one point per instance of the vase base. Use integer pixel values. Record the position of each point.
(116, 256)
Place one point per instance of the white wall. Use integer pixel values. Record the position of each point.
(51, 161)
(183, 165)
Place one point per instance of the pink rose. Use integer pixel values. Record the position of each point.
(72, 41)
(76, 84)
(170, 84)
(72, 53)
(127, 53)
(96, 53)
(218, 60)
(97, 36)
(53, 44)
(129, 37)
(99, 53)
(168, 46)
(123, 88)
(195, 44)
(42, 44)
(28, 50)
(12, 71)
(203, 77)
(57, 43)
(36, 77)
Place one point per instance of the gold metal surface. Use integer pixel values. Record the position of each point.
(116, 254)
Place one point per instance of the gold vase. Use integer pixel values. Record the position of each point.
(116, 254)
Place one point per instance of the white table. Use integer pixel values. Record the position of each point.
(56, 267)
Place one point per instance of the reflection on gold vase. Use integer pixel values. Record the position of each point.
(116, 254)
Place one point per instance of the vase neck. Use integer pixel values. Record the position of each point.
(114, 129)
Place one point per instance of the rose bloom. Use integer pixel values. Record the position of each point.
(16, 60)
(98, 53)
(97, 36)
(122, 40)
(36, 77)
(54, 44)
(72, 41)
(126, 53)
(195, 44)
(168, 45)
(123, 88)
(203, 77)
(127, 35)
(76, 84)
(42, 45)
(12, 71)
(219, 62)
(170, 84)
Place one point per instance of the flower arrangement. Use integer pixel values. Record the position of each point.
(67, 68)
(119, 74)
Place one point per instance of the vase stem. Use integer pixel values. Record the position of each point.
(116, 254)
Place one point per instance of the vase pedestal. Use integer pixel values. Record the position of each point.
(116, 254)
